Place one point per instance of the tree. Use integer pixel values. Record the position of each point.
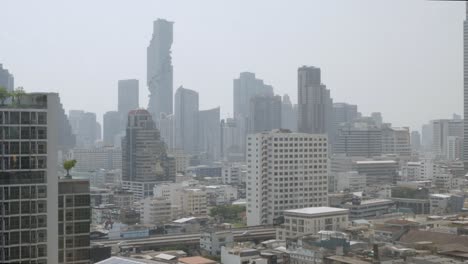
(18, 93)
(68, 165)
(4, 94)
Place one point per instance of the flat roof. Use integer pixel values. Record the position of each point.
(317, 210)
(440, 195)
(375, 162)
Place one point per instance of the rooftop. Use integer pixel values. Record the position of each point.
(196, 260)
(317, 210)
(364, 162)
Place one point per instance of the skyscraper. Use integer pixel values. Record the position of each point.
(209, 133)
(186, 120)
(144, 158)
(84, 127)
(288, 114)
(285, 171)
(231, 139)
(112, 121)
(246, 87)
(265, 113)
(6, 79)
(314, 102)
(166, 128)
(159, 69)
(415, 140)
(29, 179)
(128, 96)
(465, 90)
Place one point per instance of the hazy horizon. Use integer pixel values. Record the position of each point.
(393, 57)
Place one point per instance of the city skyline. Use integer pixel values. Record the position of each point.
(342, 75)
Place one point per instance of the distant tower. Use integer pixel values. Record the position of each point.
(6, 79)
(128, 96)
(265, 113)
(186, 120)
(144, 158)
(314, 102)
(159, 69)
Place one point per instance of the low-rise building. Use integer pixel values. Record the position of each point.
(368, 208)
(211, 241)
(156, 211)
(299, 222)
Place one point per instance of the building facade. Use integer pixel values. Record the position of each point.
(6, 79)
(186, 120)
(285, 170)
(159, 69)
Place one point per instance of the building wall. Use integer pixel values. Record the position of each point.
(285, 171)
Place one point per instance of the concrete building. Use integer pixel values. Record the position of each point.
(6, 79)
(351, 181)
(166, 127)
(194, 202)
(144, 158)
(220, 194)
(285, 171)
(359, 140)
(315, 105)
(112, 127)
(288, 114)
(84, 127)
(186, 120)
(159, 69)
(123, 199)
(304, 221)
(245, 88)
(378, 172)
(344, 113)
(209, 133)
(265, 113)
(396, 140)
(182, 160)
(128, 99)
(368, 209)
(108, 158)
(74, 220)
(29, 187)
(232, 140)
(233, 173)
(454, 150)
(212, 241)
(442, 129)
(445, 203)
(156, 211)
(415, 141)
(426, 136)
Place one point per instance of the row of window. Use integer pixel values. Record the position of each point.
(25, 237)
(25, 133)
(23, 192)
(23, 222)
(25, 252)
(26, 207)
(23, 147)
(23, 163)
(24, 118)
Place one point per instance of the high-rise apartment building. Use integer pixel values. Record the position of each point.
(128, 98)
(285, 171)
(29, 139)
(159, 69)
(144, 158)
(396, 140)
(415, 140)
(209, 133)
(74, 220)
(288, 114)
(6, 79)
(315, 105)
(186, 120)
(265, 113)
(344, 113)
(112, 127)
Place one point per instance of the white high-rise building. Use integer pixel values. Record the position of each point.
(285, 171)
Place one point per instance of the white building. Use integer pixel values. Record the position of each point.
(108, 158)
(396, 140)
(285, 171)
(305, 221)
(369, 208)
(156, 211)
(351, 180)
(221, 194)
(454, 148)
(212, 241)
(411, 171)
(233, 173)
(238, 255)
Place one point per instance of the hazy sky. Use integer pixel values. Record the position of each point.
(402, 58)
